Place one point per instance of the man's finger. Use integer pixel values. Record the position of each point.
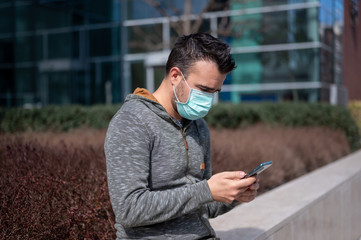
(254, 186)
(246, 182)
(234, 174)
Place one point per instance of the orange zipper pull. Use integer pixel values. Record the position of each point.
(185, 143)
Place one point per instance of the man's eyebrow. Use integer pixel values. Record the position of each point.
(208, 89)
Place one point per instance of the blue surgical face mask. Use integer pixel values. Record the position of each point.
(197, 105)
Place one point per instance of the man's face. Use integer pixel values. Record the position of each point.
(203, 76)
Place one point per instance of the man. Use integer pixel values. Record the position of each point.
(158, 150)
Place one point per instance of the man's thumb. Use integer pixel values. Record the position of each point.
(236, 174)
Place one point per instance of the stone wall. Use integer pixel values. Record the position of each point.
(324, 205)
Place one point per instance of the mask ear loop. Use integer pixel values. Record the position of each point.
(174, 88)
(184, 79)
(175, 94)
(187, 85)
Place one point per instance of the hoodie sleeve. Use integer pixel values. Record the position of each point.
(127, 150)
(214, 208)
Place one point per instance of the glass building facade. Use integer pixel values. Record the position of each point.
(89, 52)
(59, 52)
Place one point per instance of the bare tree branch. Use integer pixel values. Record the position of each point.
(185, 25)
(158, 7)
(196, 26)
(187, 20)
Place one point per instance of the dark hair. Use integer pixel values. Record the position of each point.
(200, 46)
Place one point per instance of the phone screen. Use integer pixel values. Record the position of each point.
(260, 168)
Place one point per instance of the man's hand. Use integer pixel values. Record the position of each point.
(229, 186)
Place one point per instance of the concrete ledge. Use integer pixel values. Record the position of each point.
(324, 204)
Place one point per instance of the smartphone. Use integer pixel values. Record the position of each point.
(259, 169)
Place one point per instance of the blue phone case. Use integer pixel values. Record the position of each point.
(259, 169)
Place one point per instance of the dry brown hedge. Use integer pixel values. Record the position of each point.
(53, 185)
(294, 151)
(53, 191)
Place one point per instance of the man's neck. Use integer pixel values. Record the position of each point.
(165, 98)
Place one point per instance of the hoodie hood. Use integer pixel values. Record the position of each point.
(147, 98)
(145, 93)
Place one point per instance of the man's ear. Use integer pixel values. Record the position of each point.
(175, 76)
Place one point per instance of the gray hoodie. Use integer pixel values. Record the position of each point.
(157, 173)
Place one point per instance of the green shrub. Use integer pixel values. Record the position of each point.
(355, 110)
(227, 115)
(56, 118)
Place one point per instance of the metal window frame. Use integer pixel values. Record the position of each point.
(219, 14)
(213, 16)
